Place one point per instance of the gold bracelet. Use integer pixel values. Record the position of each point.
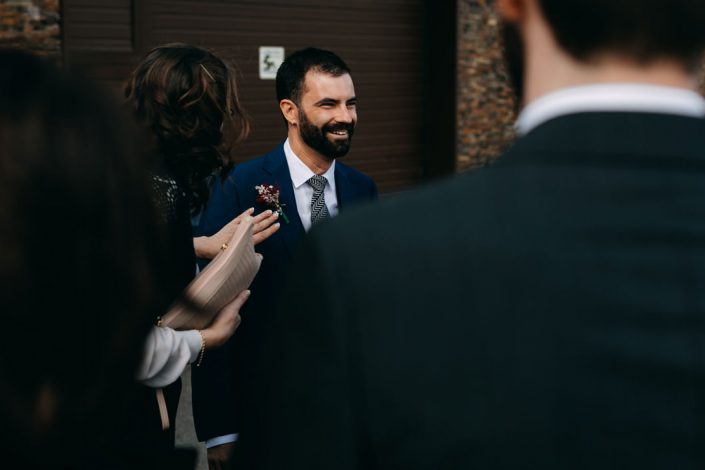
(203, 349)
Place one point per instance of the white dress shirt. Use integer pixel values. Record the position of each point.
(618, 97)
(303, 192)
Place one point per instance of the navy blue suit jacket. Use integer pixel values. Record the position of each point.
(224, 376)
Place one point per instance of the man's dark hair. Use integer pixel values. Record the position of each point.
(291, 74)
(643, 30)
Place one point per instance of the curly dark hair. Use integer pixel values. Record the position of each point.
(187, 97)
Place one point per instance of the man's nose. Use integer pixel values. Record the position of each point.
(345, 115)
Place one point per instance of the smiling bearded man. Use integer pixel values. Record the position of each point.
(316, 137)
(302, 179)
(331, 102)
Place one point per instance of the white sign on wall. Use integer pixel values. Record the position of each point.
(270, 58)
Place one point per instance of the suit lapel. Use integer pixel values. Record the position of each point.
(277, 169)
(343, 189)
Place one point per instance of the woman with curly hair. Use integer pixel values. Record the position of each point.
(187, 98)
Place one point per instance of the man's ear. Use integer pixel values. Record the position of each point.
(511, 11)
(290, 111)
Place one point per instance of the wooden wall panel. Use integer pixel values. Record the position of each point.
(98, 25)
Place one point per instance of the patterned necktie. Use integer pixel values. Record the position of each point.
(319, 211)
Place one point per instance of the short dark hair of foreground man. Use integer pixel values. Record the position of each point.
(546, 312)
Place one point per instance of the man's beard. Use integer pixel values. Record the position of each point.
(514, 59)
(315, 137)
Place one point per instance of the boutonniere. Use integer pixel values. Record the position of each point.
(268, 195)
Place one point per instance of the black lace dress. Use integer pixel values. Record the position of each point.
(172, 204)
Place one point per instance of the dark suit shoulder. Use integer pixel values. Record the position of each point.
(354, 174)
(381, 224)
(612, 139)
(268, 161)
(441, 196)
(356, 185)
(246, 167)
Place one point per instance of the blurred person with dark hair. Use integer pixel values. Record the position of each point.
(81, 271)
(187, 98)
(545, 312)
(302, 178)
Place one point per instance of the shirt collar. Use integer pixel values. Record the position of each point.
(300, 173)
(611, 97)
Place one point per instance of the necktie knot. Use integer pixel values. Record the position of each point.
(318, 182)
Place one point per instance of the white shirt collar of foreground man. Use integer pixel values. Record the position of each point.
(303, 192)
(610, 97)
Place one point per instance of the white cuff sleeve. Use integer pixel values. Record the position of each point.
(217, 441)
(166, 354)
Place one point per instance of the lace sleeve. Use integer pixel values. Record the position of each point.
(170, 200)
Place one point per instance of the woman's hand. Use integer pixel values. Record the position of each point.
(225, 322)
(263, 226)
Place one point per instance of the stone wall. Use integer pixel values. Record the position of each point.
(485, 100)
(32, 25)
